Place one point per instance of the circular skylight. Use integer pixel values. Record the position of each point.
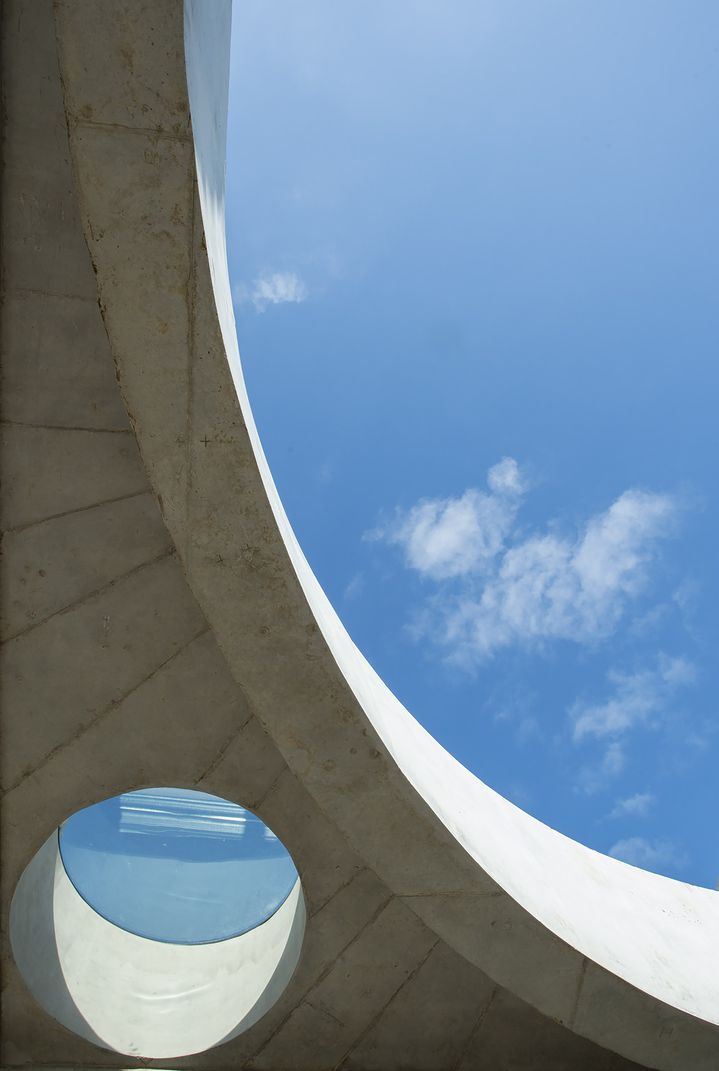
(176, 865)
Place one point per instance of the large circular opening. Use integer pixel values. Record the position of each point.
(176, 865)
(159, 923)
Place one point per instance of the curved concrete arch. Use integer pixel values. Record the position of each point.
(658, 935)
(571, 906)
(416, 874)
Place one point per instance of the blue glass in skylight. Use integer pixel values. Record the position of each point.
(176, 865)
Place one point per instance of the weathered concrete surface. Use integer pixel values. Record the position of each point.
(189, 645)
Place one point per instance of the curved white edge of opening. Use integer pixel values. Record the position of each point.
(135, 996)
(659, 935)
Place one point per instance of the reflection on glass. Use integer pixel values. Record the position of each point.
(176, 865)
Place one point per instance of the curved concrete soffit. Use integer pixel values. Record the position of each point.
(140, 997)
(623, 957)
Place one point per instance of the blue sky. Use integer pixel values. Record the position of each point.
(176, 865)
(474, 251)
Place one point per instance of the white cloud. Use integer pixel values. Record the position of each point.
(649, 854)
(272, 288)
(549, 587)
(637, 806)
(444, 538)
(637, 700)
(505, 478)
(510, 590)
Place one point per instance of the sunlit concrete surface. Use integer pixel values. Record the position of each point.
(161, 625)
(142, 997)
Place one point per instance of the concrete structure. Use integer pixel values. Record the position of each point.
(161, 626)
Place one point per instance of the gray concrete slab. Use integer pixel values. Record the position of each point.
(80, 469)
(121, 635)
(49, 567)
(38, 385)
(324, 1027)
(431, 1020)
(541, 1043)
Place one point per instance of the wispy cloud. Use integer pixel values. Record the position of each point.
(497, 589)
(636, 806)
(649, 854)
(272, 288)
(640, 699)
(636, 700)
(355, 587)
(595, 776)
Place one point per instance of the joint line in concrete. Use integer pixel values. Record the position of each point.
(100, 717)
(79, 509)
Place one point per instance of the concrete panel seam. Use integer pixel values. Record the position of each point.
(370, 921)
(484, 1012)
(376, 1018)
(122, 128)
(223, 751)
(304, 996)
(64, 427)
(578, 996)
(83, 729)
(323, 1011)
(348, 881)
(80, 509)
(60, 295)
(167, 553)
(259, 803)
